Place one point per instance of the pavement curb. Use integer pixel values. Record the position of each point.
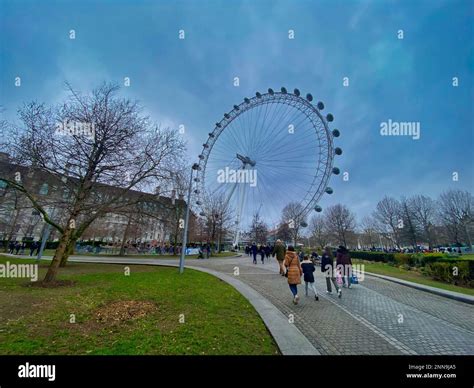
(437, 291)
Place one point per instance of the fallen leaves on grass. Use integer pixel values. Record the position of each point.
(124, 311)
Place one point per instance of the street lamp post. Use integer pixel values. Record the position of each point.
(45, 236)
(186, 221)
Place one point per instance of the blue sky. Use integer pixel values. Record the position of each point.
(190, 81)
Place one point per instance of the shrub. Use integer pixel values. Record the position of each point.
(444, 271)
(404, 259)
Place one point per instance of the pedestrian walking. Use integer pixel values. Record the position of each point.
(262, 253)
(344, 264)
(32, 248)
(293, 272)
(254, 251)
(327, 267)
(38, 247)
(11, 247)
(308, 271)
(268, 251)
(279, 252)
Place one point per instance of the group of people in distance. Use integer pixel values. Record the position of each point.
(264, 251)
(294, 266)
(18, 248)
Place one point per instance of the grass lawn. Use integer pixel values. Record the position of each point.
(412, 276)
(128, 315)
(50, 252)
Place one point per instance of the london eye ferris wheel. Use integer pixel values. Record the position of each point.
(269, 150)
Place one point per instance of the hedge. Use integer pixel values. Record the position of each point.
(373, 256)
(404, 259)
(445, 271)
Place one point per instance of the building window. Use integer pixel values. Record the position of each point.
(44, 189)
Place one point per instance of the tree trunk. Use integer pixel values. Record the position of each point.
(124, 237)
(69, 252)
(60, 252)
(468, 237)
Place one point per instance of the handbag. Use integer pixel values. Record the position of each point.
(354, 279)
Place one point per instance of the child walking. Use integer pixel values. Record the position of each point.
(308, 271)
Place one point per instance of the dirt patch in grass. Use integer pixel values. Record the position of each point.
(121, 311)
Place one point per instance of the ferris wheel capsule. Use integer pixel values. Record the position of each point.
(329, 190)
(320, 105)
(318, 208)
(336, 133)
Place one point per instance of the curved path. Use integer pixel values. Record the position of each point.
(374, 317)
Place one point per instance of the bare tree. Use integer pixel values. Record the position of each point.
(340, 223)
(456, 213)
(97, 148)
(423, 211)
(410, 230)
(218, 217)
(283, 232)
(258, 230)
(293, 216)
(370, 235)
(389, 220)
(318, 230)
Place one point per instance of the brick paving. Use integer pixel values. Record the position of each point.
(375, 317)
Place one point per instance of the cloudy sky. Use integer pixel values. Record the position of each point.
(191, 81)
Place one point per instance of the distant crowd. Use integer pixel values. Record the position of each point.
(19, 248)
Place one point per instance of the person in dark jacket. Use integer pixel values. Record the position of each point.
(262, 253)
(11, 247)
(308, 271)
(254, 251)
(32, 248)
(301, 255)
(327, 267)
(344, 263)
(268, 251)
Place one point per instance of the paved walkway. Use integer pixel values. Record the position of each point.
(374, 317)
